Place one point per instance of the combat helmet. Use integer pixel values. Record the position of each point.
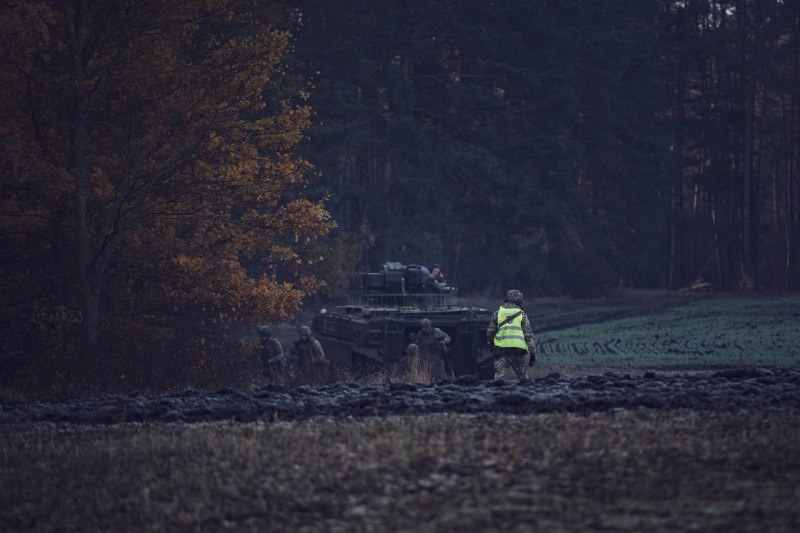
(264, 331)
(304, 330)
(514, 297)
(425, 323)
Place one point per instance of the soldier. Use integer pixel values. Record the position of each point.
(311, 358)
(437, 275)
(406, 368)
(511, 338)
(433, 347)
(273, 364)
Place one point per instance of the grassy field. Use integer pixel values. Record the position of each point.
(646, 471)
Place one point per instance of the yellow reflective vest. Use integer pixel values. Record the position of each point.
(510, 335)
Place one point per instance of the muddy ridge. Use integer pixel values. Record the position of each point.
(739, 388)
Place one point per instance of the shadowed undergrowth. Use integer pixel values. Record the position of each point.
(664, 471)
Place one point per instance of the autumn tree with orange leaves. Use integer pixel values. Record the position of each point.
(147, 171)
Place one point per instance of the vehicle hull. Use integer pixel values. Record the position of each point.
(357, 336)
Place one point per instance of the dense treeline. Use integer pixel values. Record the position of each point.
(563, 147)
(735, 88)
(172, 170)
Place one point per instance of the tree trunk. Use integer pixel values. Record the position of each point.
(76, 16)
(674, 277)
(792, 220)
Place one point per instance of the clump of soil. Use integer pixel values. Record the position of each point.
(734, 388)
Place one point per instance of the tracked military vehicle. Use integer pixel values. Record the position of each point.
(385, 316)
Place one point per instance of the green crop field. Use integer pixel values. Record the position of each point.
(694, 333)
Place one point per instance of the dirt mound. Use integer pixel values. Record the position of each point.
(740, 388)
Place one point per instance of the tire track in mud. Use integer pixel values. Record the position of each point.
(735, 388)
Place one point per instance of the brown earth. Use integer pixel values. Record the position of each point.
(648, 469)
(734, 388)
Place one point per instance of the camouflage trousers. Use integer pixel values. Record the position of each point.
(274, 374)
(315, 375)
(511, 363)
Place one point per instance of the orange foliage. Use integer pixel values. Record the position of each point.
(150, 134)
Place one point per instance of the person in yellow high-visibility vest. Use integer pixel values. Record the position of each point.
(511, 337)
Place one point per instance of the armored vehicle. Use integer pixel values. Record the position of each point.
(385, 316)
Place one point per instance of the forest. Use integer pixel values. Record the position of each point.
(172, 171)
(563, 147)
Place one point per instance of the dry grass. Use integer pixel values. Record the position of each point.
(657, 471)
(419, 371)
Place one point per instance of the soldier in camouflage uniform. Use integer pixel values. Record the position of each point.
(405, 368)
(313, 364)
(433, 347)
(273, 364)
(511, 337)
